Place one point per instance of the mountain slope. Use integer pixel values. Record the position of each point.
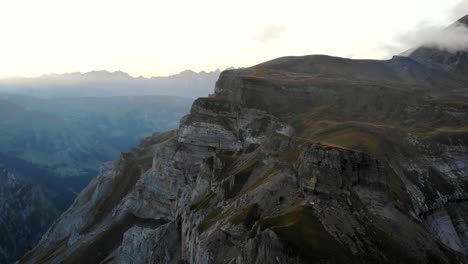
(456, 60)
(312, 159)
(297, 160)
(27, 212)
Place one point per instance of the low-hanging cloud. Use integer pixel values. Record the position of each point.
(453, 38)
(270, 32)
(460, 10)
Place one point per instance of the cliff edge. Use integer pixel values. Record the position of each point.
(297, 160)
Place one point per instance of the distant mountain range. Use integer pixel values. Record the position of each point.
(49, 140)
(105, 83)
(57, 130)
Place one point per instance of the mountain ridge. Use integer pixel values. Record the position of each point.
(108, 74)
(311, 159)
(266, 166)
(105, 84)
(464, 20)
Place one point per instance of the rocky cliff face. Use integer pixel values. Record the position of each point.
(298, 160)
(26, 214)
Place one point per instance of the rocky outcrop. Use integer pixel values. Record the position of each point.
(26, 214)
(298, 160)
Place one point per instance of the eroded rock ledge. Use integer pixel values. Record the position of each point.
(334, 179)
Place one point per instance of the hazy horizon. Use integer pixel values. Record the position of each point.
(145, 38)
(53, 74)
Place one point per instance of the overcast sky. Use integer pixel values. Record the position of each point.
(154, 38)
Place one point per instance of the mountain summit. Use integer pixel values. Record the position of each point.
(312, 159)
(464, 20)
(453, 58)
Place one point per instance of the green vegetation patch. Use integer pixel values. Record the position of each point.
(447, 136)
(379, 140)
(229, 160)
(259, 182)
(129, 169)
(350, 137)
(248, 216)
(290, 156)
(213, 217)
(240, 178)
(203, 201)
(303, 235)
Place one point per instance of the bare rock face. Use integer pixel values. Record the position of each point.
(148, 245)
(26, 214)
(299, 160)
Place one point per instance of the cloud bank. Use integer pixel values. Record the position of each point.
(453, 38)
(460, 10)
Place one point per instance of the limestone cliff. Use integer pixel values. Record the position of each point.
(309, 159)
